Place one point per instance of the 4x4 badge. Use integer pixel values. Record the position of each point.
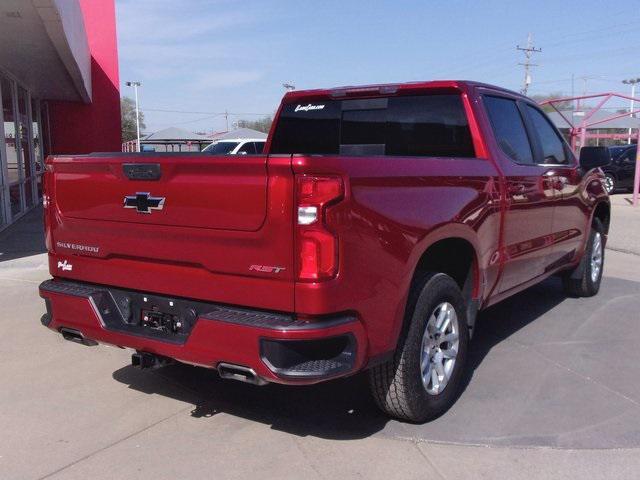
(143, 202)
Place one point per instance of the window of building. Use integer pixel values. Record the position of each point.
(509, 129)
(23, 134)
(552, 145)
(36, 144)
(21, 151)
(8, 116)
(425, 125)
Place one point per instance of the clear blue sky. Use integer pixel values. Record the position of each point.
(217, 55)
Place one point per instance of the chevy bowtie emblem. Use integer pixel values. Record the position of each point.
(143, 202)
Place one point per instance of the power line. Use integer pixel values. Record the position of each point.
(529, 50)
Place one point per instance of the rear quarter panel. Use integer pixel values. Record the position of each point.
(394, 209)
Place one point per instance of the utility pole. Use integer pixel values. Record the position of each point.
(632, 82)
(135, 86)
(226, 119)
(529, 50)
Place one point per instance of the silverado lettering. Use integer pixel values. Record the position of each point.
(390, 214)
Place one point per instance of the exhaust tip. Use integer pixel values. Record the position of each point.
(73, 335)
(242, 374)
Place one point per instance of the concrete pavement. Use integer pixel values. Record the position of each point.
(553, 392)
(625, 225)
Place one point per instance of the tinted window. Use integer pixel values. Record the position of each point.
(311, 128)
(259, 146)
(552, 145)
(429, 125)
(618, 151)
(629, 155)
(247, 148)
(508, 128)
(221, 147)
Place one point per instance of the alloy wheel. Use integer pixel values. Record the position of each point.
(439, 350)
(596, 257)
(609, 183)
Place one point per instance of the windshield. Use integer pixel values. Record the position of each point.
(221, 147)
(426, 125)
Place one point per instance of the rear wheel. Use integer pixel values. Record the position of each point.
(423, 378)
(587, 282)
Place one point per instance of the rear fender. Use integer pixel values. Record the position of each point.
(473, 287)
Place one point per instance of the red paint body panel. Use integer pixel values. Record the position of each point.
(77, 128)
(228, 232)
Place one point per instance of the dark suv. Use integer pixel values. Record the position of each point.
(619, 173)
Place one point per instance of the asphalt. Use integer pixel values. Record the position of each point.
(553, 391)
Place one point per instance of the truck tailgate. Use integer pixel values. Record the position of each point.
(201, 226)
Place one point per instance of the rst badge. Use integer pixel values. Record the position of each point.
(266, 269)
(143, 202)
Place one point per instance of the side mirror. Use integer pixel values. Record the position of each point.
(594, 157)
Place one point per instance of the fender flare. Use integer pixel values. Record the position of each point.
(443, 232)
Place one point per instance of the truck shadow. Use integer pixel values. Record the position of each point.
(24, 238)
(341, 409)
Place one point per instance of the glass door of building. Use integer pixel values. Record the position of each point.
(21, 151)
(10, 192)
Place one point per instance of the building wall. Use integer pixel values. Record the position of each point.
(77, 128)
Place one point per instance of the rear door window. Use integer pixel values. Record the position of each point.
(247, 148)
(551, 143)
(221, 147)
(509, 129)
(426, 125)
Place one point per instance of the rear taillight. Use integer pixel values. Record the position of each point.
(316, 244)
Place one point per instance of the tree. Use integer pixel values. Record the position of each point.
(566, 105)
(262, 125)
(128, 119)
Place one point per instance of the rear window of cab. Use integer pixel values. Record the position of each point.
(421, 125)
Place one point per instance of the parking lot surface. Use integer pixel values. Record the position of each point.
(553, 392)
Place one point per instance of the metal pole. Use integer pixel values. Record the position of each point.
(633, 94)
(636, 178)
(135, 90)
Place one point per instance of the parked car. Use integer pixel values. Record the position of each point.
(377, 225)
(620, 171)
(236, 146)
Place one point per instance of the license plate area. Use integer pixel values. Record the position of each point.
(161, 321)
(148, 315)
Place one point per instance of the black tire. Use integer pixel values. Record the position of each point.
(397, 385)
(581, 282)
(610, 183)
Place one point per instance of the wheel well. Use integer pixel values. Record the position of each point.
(603, 213)
(453, 256)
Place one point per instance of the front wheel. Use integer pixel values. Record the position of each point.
(423, 378)
(609, 183)
(585, 282)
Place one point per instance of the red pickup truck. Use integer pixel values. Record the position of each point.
(378, 222)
